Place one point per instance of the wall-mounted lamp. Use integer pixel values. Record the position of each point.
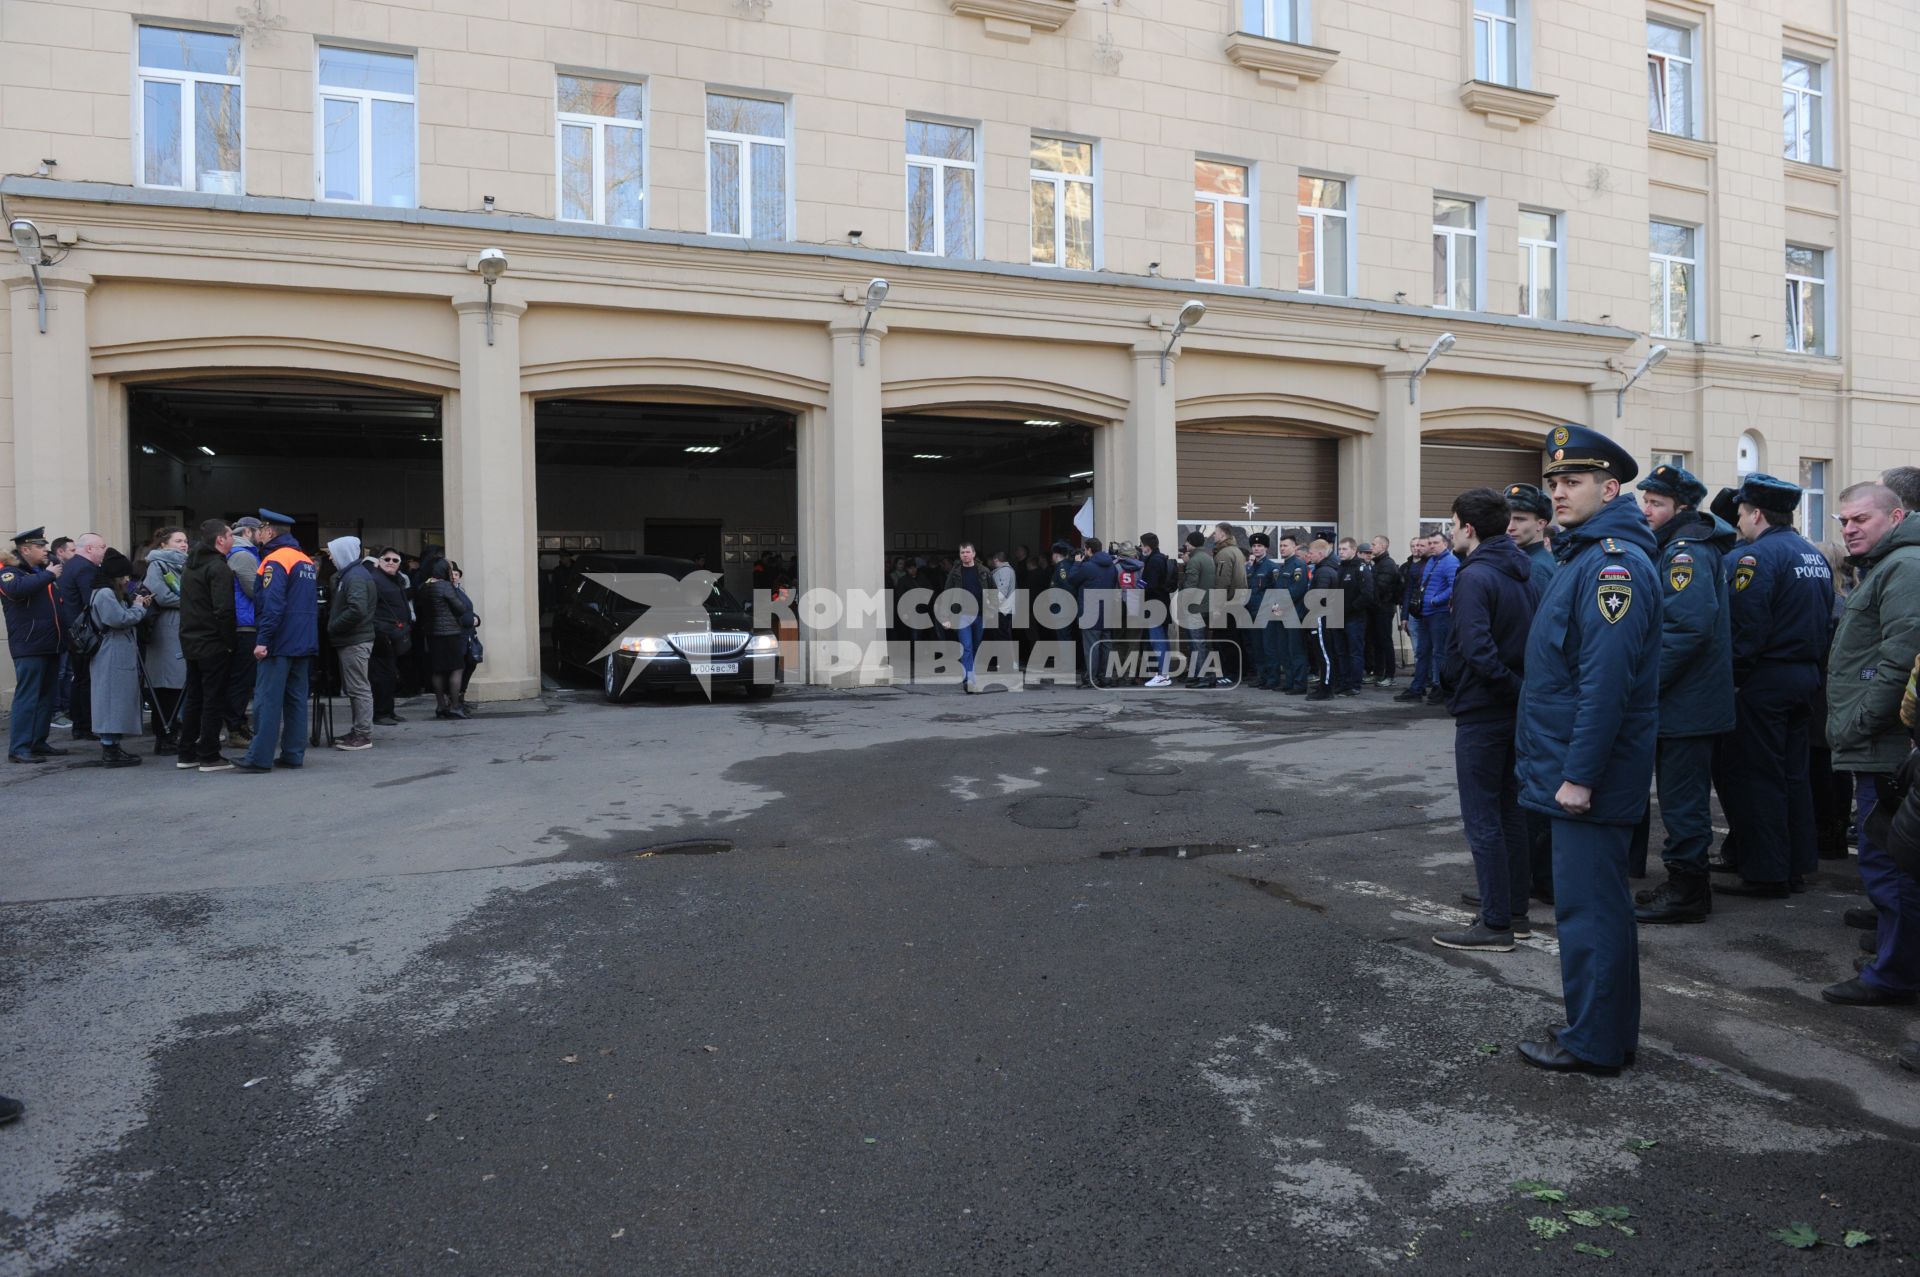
(876, 293)
(1190, 314)
(1441, 345)
(26, 238)
(492, 264)
(1647, 365)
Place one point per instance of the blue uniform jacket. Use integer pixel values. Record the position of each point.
(287, 609)
(1494, 599)
(1261, 577)
(33, 621)
(1096, 586)
(1296, 578)
(1589, 711)
(1542, 560)
(1780, 600)
(1437, 589)
(1696, 638)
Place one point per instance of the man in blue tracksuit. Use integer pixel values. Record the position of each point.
(286, 639)
(1696, 690)
(1589, 714)
(1780, 607)
(1494, 598)
(1436, 618)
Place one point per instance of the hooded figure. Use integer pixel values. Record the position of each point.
(355, 594)
(166, 664)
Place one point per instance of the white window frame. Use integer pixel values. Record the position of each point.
(1664, 63)
(1556, 267)
(1667, 261)
(1454, 235)
(599, 124)
(744, 143)
(1320, 217)
(189, 108)
(1059, 181)
(1812, 525)
(1812, 100)
(1219, 203)
(1796, 341)
(1759, 465)
(1287, 20)
(363, 100)
(1678, 460)
(940, 165)
(1482, 32)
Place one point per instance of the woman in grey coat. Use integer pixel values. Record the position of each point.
(115, 668)
(166, 663)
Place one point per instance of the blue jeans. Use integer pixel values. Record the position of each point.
(1429, 648)
(33, 679)
(279, 709)
(1157, 636)
(1483, 764)
(969, 645)
(1896, 895)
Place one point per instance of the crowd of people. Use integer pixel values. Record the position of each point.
(213, 641)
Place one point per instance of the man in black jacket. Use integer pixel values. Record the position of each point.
(207, 630)
(392, 634)
(75, 588)
(1494, 599)
(1381, 661)
(1330, 639)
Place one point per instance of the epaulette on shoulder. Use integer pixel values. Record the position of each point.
(1612, 546)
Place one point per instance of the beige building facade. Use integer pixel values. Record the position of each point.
(260, 245)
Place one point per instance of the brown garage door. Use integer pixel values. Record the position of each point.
(1448, 469)
(1289, 477)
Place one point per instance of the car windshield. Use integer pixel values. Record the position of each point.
(630, 588)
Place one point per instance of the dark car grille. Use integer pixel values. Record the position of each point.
(701, 646)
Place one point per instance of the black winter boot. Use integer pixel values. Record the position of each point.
(1681, 898)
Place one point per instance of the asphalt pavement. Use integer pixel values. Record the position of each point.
(900, 981)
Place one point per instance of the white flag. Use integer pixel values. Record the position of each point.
(1083, 519)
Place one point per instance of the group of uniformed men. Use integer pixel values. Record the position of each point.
(1688, 647)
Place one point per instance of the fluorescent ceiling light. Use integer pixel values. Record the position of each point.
(1041, 421)
(704, 447)
(1081, 474)
(929, 456)
(147, 448)
(207, 450)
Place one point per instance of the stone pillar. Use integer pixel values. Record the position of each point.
(1600, 407)
(1135, 468)
(842, 486)
(487, 459)
(54, 443)
(1388, 488)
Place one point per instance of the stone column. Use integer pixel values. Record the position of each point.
(1601, 396)
(54, 443)
(487, 458)
(1135, 476)
(1388, 488)
(842, 485)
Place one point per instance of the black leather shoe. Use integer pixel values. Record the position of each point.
(9, 1109)
(1759, 890)
(1862, 919)
(1471, 899)
(1858, 993)
(1550, 1055)
(25, 758)
(1717, 865)
(50, 751)
(390, 720)
(1677, 900)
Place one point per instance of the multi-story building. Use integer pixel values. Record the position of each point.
(267, 241)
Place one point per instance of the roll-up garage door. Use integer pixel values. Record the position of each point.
(1448, 469)
(1289, 477)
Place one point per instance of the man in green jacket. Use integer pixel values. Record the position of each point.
(1873, 652)
(1194, 607)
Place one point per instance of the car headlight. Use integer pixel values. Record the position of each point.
(645, 646)
(764, 643)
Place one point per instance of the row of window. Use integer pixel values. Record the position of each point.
(190, 138)
(1750, 456)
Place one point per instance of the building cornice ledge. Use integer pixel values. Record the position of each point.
(1506, 107)
(1674, 143)
(1016, 20)
(1279, 62)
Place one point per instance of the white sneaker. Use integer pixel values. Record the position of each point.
(1159, 680)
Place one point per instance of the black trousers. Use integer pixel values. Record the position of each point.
(1381, 662)
(204, 710)
(1764, 773)
(383, 672)
(1332, 642)
(80, 704)
(240, 672)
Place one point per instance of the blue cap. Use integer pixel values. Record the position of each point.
(1676, 482)
(1524, 498)
(273, 517)
(1764, 492)
(32, 536)
(1572, 448)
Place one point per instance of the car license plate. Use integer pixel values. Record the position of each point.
(715, 667)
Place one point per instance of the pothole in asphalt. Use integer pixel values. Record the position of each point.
(691, 847)
(1145, 769)
(1176, 851)
(1048, 811)
(1153, 788)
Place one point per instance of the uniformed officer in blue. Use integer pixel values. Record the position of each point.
(34, 639)
(1532, 516)
(1295, 577)
(1696, 690)
(1585, 740)
(1780, 604)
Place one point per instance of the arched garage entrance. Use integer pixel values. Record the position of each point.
(1451, 464)
(1256, 476)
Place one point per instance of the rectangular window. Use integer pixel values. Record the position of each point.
(1539, 264)
(942, 178)
(746, 167)
(1806, 300)
(1803, 111)
(1496, 41)
(1324, 221)
(1670, 78)
(188, 122)
(1678, 460)
(1063, 202)
(1223, 222)
(366, 123)
(1275, 19)
(602, 151)
(1456, 253)
(1813, 499)
(1674, 264)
